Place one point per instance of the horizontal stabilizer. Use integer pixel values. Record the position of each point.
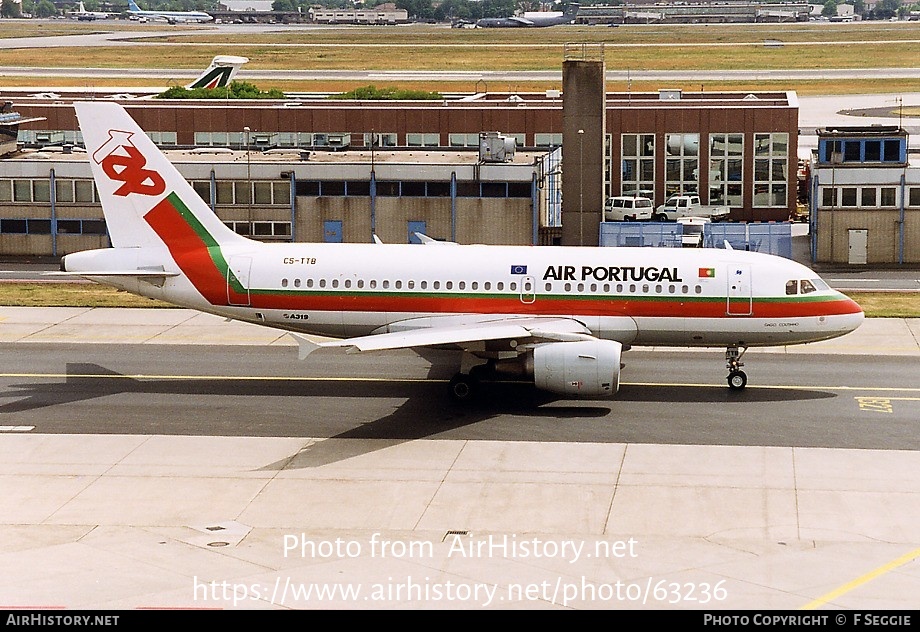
(140, 274)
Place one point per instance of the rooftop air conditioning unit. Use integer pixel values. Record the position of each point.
(493, 147)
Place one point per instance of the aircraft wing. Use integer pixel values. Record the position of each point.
(449, 331)
(521, 21)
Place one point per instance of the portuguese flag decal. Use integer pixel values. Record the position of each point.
(707, 273)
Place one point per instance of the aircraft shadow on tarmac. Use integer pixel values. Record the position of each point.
(527, 414)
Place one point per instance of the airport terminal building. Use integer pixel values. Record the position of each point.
(323, 169)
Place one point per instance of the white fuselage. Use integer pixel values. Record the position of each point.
(638, 296)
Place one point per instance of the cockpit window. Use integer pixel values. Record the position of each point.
(807, 287)
(792, 287)
(820, 285)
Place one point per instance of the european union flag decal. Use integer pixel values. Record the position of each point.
(518, 269)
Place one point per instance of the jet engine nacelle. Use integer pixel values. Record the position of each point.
(588, 368)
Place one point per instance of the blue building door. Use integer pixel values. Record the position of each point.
(332, 231)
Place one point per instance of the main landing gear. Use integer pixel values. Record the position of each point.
(737, 379)
(463, 388)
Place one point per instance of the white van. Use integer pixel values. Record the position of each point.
(628, 209)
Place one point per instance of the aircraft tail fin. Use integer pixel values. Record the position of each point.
(81, 8)
(132, 6)
(220, 73)
(145, 200)
(572, 9)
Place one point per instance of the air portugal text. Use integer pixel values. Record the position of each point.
(612, 273)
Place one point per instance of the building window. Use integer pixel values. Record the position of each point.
(681, 164)
(638, 164)
(63, 190)
(914, 196)
(547, 140)
(85, 191)
(6, 191)
(828, 197)
(22, 190)
(464, 140)
(416, 139)
(378, 139)
(203, 189)
(889, 196)
(726, 162)
(848, 196)
(869, 198)
(771, 169)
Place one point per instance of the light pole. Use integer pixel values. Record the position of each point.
(248, 181)
(581, 188)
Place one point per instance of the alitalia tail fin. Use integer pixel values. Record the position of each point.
(220, 73)
(145, 200)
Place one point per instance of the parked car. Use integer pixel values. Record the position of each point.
(678, 206)
(628, 209)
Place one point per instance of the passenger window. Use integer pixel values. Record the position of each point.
(792, 287)
(699, 289)
(807, 287)
(284, 282)
(512, 286)
(335, 283)
(398, 285)
(568, 287)
(424, 285)
(360, 283)
(474, 285)
(449, 285)
(658, 289)
(672, 289)
(347, 283)
(632, 288)
(548, 287)
(500, 286)
(386, 285)
(461, 285)
(436, 285)
(322, 282)
(594, 287)
(410, 284)
(684, 289)
(296, 283)
(619, 288)
(309, 282)
(487, 285)
(581, 287)
(373, 283)
(645, 289)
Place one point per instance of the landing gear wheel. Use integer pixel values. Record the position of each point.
(737, 380)
(463, 388)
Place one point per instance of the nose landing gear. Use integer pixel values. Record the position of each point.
(737, 379)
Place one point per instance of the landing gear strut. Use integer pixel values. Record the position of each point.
(737, 379)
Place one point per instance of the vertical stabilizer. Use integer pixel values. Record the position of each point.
(145, 200)
(220, 73)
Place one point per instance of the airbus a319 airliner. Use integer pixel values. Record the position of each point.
(560, 316)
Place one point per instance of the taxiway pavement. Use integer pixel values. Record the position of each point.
(127, 520)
